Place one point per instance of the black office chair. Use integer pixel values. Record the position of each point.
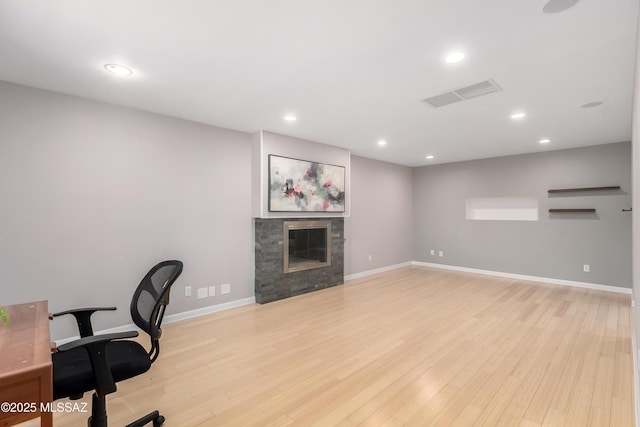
(98, 362)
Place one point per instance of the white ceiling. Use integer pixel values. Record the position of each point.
(352, 71)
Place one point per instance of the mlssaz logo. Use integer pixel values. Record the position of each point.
(63, 407)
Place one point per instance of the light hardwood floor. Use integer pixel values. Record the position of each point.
(414, 346)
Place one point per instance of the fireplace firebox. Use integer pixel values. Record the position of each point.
(307, 245)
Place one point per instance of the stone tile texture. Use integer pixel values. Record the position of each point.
(271, 283)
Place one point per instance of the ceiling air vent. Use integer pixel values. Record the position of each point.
(468, 92)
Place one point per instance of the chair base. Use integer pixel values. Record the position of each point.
(154, 417)
(99, 415)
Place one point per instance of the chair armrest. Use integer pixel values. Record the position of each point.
(96, 348)
(83, 318)
(97, 339)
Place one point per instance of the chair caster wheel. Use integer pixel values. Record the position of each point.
(158, 422)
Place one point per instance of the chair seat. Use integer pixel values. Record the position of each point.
(73, 375)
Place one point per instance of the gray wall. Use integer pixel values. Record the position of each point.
(93, 195)
(557, 246)
(381, 223)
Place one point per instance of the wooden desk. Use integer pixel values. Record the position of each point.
(25, 363)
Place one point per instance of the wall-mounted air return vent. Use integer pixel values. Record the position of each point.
(468, 92)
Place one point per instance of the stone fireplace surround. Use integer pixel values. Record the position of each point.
(271, 283)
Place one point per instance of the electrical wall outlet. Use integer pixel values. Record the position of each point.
(440, 253)
(586, 268)
(212, 291)
(202, 293)
(369, 257)
(432, 252)
(187, 291)
(225, 288)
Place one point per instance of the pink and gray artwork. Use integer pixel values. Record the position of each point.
(300, 185)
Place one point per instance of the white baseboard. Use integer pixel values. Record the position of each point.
(172, 318)
(377, 270)
(636, 380)
(208, 310)
(634, 356)
(246, 301)
(617, 289)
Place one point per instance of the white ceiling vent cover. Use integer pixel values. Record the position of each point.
(483, 88)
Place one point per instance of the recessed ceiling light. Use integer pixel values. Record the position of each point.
(544, 141)
(119, 70)
(592, 104)
(382, 143)
(454, 57)
(429, 157)
(555, 6)
(290, 118)
(516, 116)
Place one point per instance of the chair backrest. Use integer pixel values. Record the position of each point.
(151, 298)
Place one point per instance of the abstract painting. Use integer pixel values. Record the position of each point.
(304, 186)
